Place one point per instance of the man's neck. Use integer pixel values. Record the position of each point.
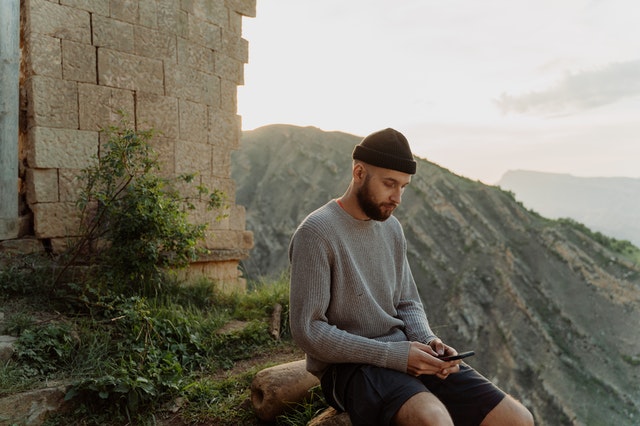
(349, 204)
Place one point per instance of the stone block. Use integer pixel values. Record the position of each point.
(78, 62)
(204, 32)
(229, 69)
(194, 121)
(191, 84)
(42, 185)
(52, 102)
(195, 56)
(99, 106)
(193, 157)
(7, 347)
(113, 34)
(55, 219)
(58, 21)
(61, 148)
(243, 7)
(229, 239)
(235, 23)
(237, 216)
(158, 112)
(44, 56)
(221, 163)
(225, 274)
(210, 11)
(62, 245)
(22, 246)
(165, 149)
(235, 46)
(70, 185)
(246, 240)
(124, 10)
(148, 13)
(228, 96)
(172, 18)
(126, 71)
(96, 7)
(32, 407)
(225, 128)
(155, 44)
(224, 184)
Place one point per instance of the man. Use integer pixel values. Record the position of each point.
(356, 312)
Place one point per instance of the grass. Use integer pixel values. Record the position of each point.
(127, 358)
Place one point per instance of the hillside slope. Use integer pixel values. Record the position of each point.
(608, 205)
(552, 315)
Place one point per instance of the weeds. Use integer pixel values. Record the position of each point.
(126, 335)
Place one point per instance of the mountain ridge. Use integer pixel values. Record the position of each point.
(551, 313)
(610, 205)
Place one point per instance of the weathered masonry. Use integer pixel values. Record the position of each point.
(68, 66)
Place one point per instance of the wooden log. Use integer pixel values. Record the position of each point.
(275, 389)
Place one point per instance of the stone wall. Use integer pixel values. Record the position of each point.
(171, 65)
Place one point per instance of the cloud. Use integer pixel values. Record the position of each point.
(578, 91)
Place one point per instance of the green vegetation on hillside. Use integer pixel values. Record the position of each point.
(622, 247)
(109, 319)
(126, 358)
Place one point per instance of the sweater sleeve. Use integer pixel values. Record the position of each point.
(411, 310)
(310, 294)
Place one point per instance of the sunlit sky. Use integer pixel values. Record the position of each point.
(478, 87)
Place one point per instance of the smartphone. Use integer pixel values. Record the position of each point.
(459, 356)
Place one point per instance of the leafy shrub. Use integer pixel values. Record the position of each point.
(135, 221)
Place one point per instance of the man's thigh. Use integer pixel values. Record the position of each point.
(468, 395)
(373, 395)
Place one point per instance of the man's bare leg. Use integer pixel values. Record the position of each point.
(422, 409)
(508, 412)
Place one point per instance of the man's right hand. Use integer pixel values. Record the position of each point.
(424, 360)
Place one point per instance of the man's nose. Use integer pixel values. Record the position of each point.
(396, 196)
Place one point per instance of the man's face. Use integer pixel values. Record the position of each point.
(381, 192)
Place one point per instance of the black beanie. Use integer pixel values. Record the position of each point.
(388, 149)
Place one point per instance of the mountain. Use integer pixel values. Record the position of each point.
(552, 314)
(608, 205)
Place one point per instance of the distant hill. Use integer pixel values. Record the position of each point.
(608, 205)
(552, 314)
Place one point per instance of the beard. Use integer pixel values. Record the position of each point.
(373, 210)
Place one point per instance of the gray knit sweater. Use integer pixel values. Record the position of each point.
(353, 298)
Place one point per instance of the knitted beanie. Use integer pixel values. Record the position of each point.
(388, 149)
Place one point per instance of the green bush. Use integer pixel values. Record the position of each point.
(134, 220)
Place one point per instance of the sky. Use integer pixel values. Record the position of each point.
(478, 87)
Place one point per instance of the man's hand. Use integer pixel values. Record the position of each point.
(423, 359)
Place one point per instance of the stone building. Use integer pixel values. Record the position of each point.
(171, 65)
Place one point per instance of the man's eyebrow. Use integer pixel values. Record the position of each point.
(394, 180)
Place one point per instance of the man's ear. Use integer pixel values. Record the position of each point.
(359, 172)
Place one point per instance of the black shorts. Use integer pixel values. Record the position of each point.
(373, 395)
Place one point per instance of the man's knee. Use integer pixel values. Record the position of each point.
(509, 412)
(422, 409)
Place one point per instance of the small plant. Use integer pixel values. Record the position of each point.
(43, 350)
(134, 221)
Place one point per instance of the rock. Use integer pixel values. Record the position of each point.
(6, 347)
(31, 408)
(330, 417)
(277, 388)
